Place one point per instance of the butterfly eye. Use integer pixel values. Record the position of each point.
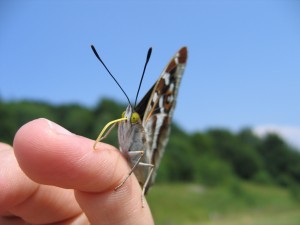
(123, 114)
(135, 117)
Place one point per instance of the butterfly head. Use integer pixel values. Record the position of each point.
(132, 117)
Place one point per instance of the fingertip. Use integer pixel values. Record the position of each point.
(49, 154)
(37, 129)
(32, 139)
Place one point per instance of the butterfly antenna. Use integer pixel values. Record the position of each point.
(147, 60)
(98, 57)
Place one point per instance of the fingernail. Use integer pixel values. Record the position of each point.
(58, 129)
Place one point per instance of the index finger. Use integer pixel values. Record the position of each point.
(51, 155)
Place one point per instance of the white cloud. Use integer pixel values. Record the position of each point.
(290, 134)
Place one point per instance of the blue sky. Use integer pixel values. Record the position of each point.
(243, 68)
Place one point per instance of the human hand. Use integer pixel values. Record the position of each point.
(55, 177)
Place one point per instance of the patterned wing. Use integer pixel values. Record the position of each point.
(156, 108)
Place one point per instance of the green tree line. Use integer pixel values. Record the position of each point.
(213, 157)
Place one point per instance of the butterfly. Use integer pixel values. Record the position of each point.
(143, 129)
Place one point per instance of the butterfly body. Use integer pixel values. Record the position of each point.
(144, 129)
(133, 150)
(142, 142)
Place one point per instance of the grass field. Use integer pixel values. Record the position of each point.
(236, 204)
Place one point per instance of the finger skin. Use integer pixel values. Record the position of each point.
(21, 197)
(15, 186)
(51, 155)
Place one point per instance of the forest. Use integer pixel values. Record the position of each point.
(212, 157)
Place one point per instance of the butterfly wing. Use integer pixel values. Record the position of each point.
(156, 108)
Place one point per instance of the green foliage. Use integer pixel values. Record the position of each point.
(15, 114)
(177, 162)
(211, 158)
(76, 118)
(280, 160)
(263, 177)
(235, 204)
(211, 171)
(243, 157)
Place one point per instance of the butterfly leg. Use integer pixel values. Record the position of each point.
(147, 180)
(140, 155)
